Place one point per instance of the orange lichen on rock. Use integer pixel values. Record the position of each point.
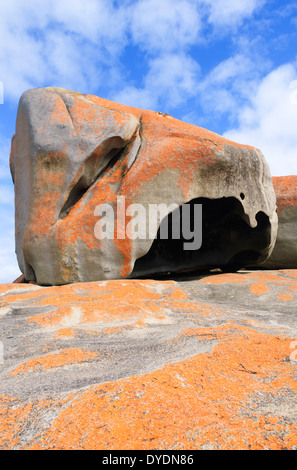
(284, 254)
(118, 301)
(64, 332)
(52, 361)
(229, 399)
(17, 288)
(13, 415)
(286, 191)
(144, 364)
(259, 288)
(285, 297)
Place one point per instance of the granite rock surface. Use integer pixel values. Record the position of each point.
(75, 157)
(284, 254)
(209, 363)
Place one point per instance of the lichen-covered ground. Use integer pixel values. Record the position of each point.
(149, 364)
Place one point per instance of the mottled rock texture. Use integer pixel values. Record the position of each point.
(284, 254)
(73, 152)
(209, 363)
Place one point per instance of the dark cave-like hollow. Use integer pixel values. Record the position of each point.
(228, 242)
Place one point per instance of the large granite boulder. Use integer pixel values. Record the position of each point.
(130, 364)
(74, 156)
(284, 254)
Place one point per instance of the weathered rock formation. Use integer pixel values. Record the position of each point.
(71, 153)
(284, 254)
(141, 364)
(192, 362)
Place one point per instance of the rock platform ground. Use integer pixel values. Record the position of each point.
(209, 363)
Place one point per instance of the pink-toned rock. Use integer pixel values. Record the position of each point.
(21, 279)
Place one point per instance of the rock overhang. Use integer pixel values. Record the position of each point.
(72, 153)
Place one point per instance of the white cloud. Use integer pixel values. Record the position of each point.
(4, 158)
(78, 45)
(58, 42)
(6, 195)
(98, 21)
(269, 121)
(9, 266)
(165, 25)
(230, 69)
(168, 25)
(171, 80)
(231, 13)
(173, 77)
(9, 269)
(136, 97)
(230, 84)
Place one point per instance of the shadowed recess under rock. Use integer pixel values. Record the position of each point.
(228, 242)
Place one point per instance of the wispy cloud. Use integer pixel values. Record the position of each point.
(80, 45)
(9, 267)
(269, 120)
(230, 85)
(166, 31)
(231, 13)
(55, 42)
(165, 25)
(171, 79)
(4, 159)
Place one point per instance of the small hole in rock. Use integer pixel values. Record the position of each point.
(242, 196)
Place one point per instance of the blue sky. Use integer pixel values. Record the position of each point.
(227, 65)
